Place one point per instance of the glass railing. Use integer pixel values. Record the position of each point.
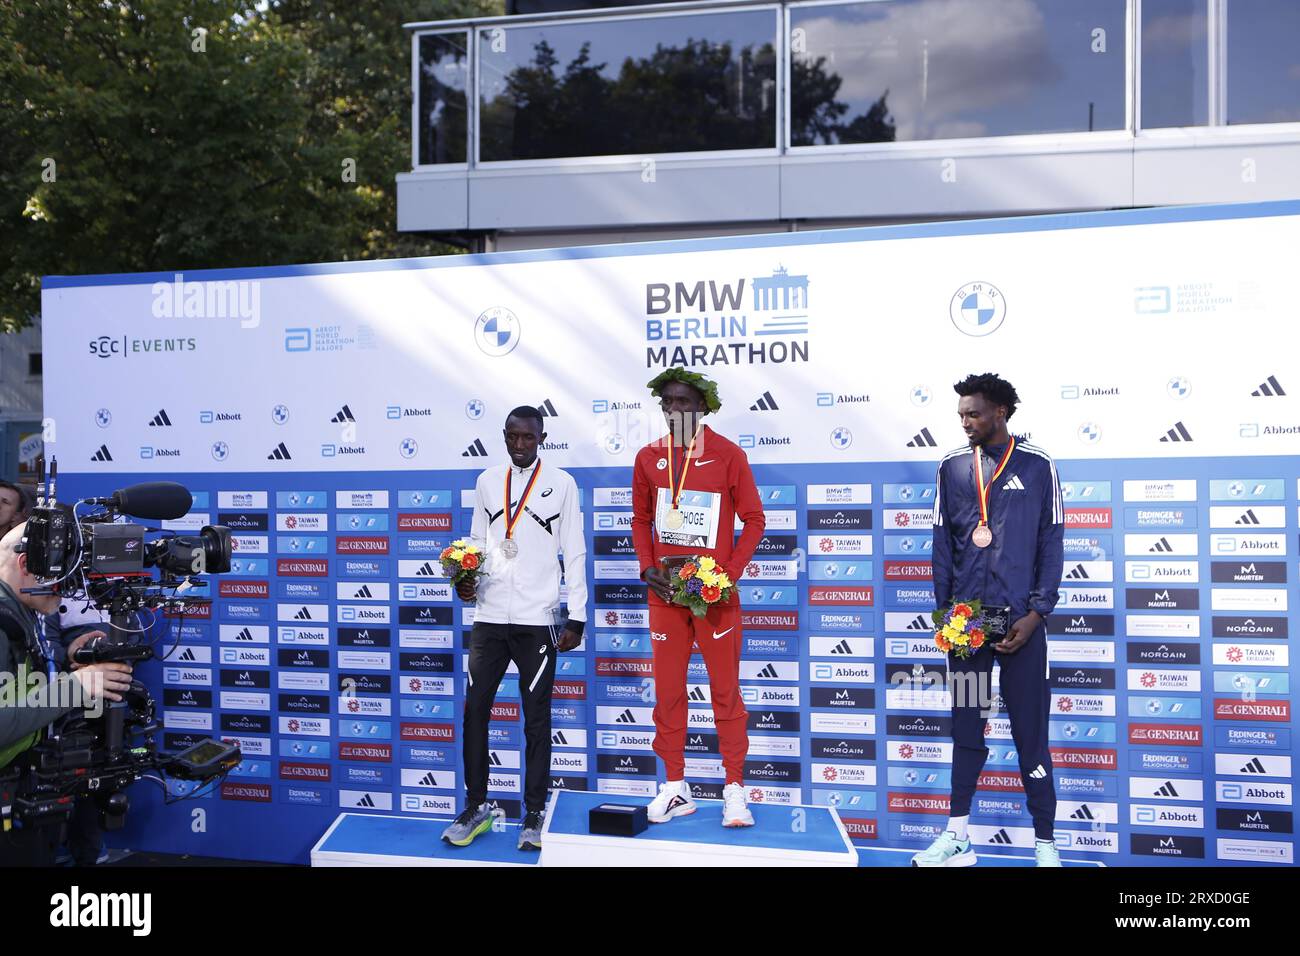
(767, 78)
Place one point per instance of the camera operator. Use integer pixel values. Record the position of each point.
(23, 715)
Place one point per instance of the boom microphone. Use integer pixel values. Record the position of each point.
(151, 500)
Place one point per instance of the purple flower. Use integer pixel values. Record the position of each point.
(693, 586)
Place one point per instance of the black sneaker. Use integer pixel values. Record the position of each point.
(530, 831)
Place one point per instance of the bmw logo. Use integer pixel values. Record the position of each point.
(354, 522)
(497, 331)
(911, 776)
(835, 799)
(1237, 489)
(220, 450)
(103, 418)
(1070, 730)
(280, 414)
(977, 309)
(921, 395)
(841, 438)
(1089, 433)
(409, 448)
(906, 493)
(906, 545)
(1154, 707)
(1179, 387)
(474, 409)
(614, 444)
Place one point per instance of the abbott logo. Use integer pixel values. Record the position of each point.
(74, 908)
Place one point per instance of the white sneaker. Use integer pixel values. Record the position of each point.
(674, 800)
(734, 811)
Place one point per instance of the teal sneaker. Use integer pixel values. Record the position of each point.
(472, 822)
(947, 850)
(1045, 853)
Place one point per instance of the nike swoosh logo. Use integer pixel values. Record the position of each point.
(716, 635)
(707, 461)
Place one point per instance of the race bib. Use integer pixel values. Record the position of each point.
(700, 511)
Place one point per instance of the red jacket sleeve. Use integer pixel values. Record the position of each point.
(643, 510)
(749, 509)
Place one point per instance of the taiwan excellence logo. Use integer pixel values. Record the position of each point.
(977, 309)
(497, 331)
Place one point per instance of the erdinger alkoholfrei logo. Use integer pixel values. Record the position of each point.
(711, 322)
(977, 309)
(497, 331)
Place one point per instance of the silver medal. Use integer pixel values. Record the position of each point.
(509, 548)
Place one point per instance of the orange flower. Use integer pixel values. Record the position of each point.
(469, 562)
(688, 570)
(977, 639)
(943, 642)
(711, 593)
(964, 610)
(446, 553)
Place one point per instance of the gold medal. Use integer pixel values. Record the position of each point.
(674, 520)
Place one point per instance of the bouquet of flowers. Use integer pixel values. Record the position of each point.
(461, 561)
(960, 629)
(701, 583)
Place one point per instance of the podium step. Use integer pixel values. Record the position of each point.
(361, 839)
(782, 835)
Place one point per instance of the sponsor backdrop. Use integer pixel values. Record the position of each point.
(335, 417)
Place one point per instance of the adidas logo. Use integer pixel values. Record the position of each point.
(769, 672)
(186, 655)
(426, 570)
(696, 694)
(302, 615)
(1255, 766)
(1178, 433)
(160, 420)
(429, 780)
(102, 454)
(1078, 573)
(1269, 389)
(366, 801)
(919, 623)
(344, 414)
(547, 409)
(559, 739)
(279, 453)
(842, 647)
(765, 403)
(1083, 813)
(363, 592)
(1002, 838)
(1167, 790)
(494, 759)
(244, 635)
(1038, 773)
(475, 450)
(1161, 546)
(626, 717)
(1248, 518)
(923, 439)
(1015, 484)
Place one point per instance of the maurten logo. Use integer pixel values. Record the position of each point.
(765, 403)
(160, 420)
(1269, 389)
(1178, 433)
(923, 439)
(475, 450)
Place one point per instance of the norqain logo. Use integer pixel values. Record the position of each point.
(75, 908)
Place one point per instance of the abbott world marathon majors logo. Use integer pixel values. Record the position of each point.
(762, 320)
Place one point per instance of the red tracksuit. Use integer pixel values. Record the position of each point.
(718, 466)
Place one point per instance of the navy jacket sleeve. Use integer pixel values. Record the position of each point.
(1050, 560)
(941, 550)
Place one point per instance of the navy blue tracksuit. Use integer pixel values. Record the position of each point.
(1021, 569)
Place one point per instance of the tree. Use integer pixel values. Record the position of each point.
(160, 135)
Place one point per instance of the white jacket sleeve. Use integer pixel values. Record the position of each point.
(573, 544)
(478, 525)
